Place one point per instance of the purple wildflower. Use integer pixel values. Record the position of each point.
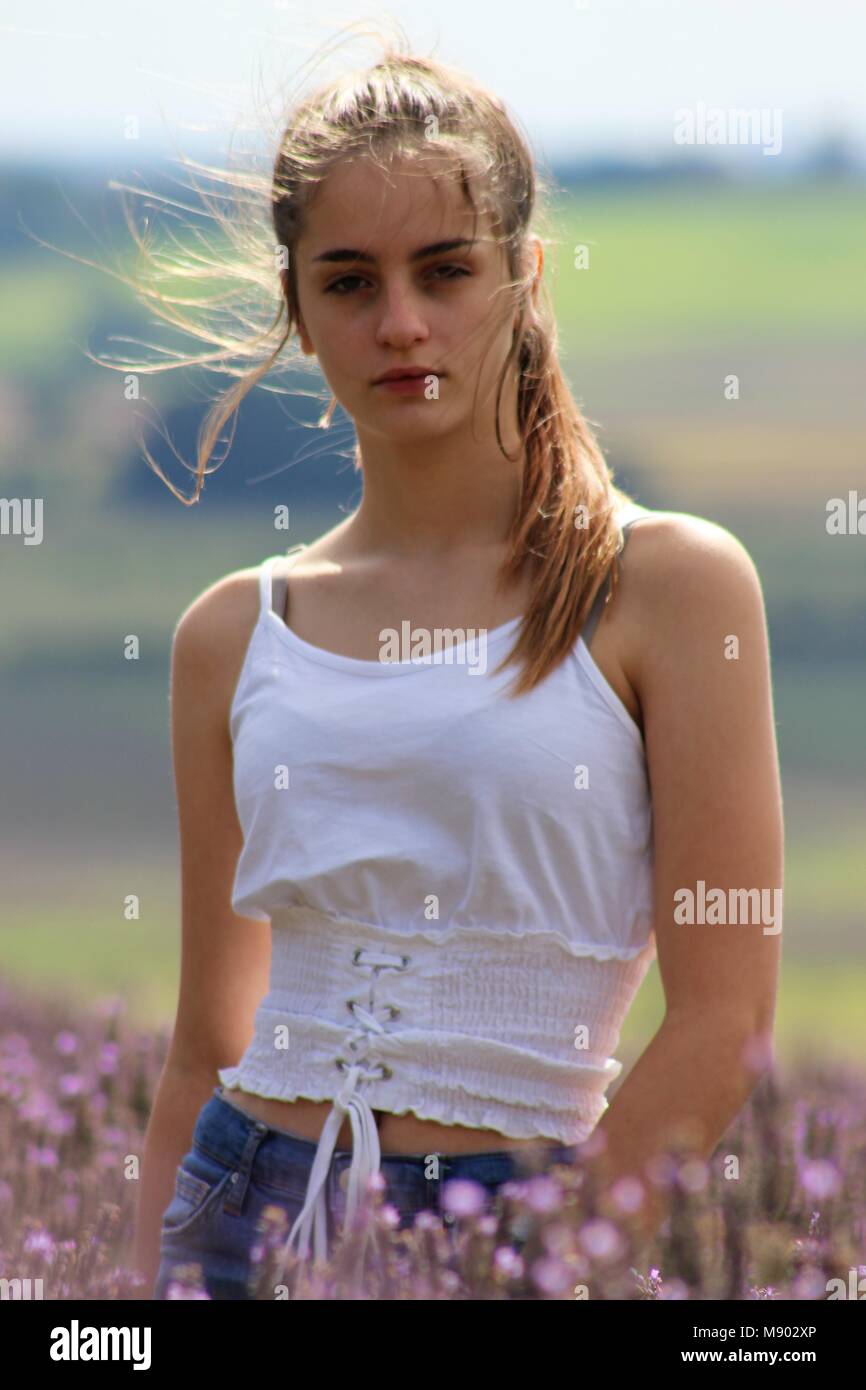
(66, 1043)
(601, 1239)
(42, 1157)
(694, 1175)
(72, 1084)
(463, 1197)
(40, 1243)
(820, 1178)
(507, 1261)
(551, 1276)
(676, 1291)
(627, 1194)
(543, 1194)
(175, 1290)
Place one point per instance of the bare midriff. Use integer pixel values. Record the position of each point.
(398, 1134)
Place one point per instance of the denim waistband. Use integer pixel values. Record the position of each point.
(223, 1130)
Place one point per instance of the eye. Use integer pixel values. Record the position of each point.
(334, 287)
(342, 281)
(460, 269)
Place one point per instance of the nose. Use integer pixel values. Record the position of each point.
(400, 323)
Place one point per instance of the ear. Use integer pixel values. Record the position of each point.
(536, 254)
(538, 250)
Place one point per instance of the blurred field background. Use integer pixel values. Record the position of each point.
(689, 280)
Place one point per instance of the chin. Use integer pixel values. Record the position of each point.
(408, 426)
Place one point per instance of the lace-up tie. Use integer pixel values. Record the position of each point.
(366, 1152)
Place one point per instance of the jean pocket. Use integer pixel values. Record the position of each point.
(199, 1184)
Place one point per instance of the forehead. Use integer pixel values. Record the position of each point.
(391, 209)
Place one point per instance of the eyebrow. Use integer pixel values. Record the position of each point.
(437, 248)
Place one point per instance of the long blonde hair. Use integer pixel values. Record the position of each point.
(565, 524)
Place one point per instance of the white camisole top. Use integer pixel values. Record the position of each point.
(459, 886)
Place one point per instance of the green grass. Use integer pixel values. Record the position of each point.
(85, 950)
(826, 876)
(668, 265)
(819, 1015)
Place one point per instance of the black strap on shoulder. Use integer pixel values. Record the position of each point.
(603, 594)
(280, 580)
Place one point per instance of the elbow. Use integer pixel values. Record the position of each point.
(753, 1043)
(744, 1033)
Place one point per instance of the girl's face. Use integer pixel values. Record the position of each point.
(387, 278)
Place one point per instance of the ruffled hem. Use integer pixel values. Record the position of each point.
(509, 1120)
(285, 918)
(535, 1095)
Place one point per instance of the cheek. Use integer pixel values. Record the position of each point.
(482, 326)
(342, 343)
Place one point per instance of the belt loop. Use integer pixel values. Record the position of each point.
(239, 1180)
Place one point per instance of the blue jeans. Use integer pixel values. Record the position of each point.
(238, 1165)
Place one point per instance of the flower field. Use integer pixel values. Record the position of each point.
(779, 1213)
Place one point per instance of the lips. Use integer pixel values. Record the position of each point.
(404, 374)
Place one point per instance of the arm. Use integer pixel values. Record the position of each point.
(225, 959)
(717, 815)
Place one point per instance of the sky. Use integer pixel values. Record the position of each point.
(585, 78)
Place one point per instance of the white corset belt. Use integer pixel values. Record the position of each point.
(464, 1025)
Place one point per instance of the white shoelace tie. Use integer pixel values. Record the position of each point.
(366, 1151)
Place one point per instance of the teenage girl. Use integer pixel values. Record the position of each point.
(418, 897)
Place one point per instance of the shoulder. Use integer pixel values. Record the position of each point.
(689, 582)
(675, 563)
(666, 543)
(214, 630)
(235, 595)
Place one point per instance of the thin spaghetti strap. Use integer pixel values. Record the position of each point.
(265, 572)
(635, 513)
(277, 579)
